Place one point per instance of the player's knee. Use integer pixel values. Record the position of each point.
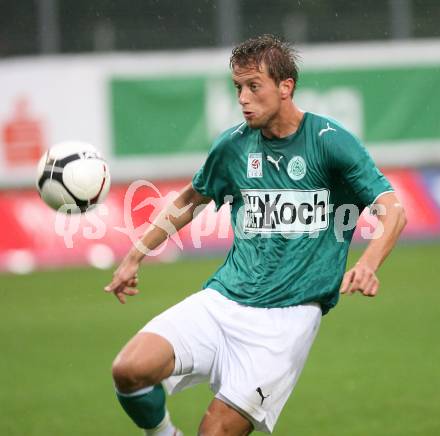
(221, 419)
(214, 427)
(128, 377)
(222, 427)
(123, 375)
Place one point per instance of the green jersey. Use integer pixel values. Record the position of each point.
(291, 202)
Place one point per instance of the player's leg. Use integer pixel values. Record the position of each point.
(145, 361)
(178, 346)
(223, 420)
(137, 371)
(260, 362)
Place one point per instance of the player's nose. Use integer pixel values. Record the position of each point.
(243, 98)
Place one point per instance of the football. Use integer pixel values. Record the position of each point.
(72, 177)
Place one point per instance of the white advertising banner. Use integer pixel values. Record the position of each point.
(155, 115)
(42, 103)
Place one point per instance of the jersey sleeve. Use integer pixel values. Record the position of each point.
(212, 180)
(354, 166)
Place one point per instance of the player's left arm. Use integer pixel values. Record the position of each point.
(362, 277)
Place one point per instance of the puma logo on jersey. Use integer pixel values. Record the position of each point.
(275, 162)
(238, 129)
(260, 393)
(328, 129)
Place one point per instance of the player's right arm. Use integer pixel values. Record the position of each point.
(169, 221)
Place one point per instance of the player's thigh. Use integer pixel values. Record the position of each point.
(193, 333)
(221, 419)
(146, 360)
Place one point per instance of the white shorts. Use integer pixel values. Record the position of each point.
(252, 357)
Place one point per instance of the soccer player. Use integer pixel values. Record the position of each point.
(294, 181)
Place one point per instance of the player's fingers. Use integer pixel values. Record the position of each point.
(346, 282)
(112, 286)
(375, 289)
(372, 288)
(366, 280)
(130, 291)
(119, 282)
(133, 283)
(120, 296)
(116, 283)
(356, 283)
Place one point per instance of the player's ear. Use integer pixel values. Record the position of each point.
(286, 88)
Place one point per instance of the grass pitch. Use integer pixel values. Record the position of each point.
(373, 370)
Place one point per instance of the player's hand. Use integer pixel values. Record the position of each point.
(125, 280)
(360, 278)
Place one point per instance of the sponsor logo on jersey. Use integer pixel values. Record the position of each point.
(255, 165)
(263, 397)
(296, 168)
(327, 129)
(285, 211)
(274, 162)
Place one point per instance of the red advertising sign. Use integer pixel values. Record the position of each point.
(22, 136)
(33, 236)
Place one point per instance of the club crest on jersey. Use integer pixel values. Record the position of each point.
(255, 165)
(296, 168)
(285, 210)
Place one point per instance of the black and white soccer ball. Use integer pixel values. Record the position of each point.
(72, 177)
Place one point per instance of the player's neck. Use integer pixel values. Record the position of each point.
(285, 123)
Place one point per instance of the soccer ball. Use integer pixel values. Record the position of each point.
(72, 177)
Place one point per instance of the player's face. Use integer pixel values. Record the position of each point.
(258, 95)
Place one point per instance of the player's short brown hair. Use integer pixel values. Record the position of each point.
(278, 56)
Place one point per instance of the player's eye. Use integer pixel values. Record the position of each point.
(254, 86)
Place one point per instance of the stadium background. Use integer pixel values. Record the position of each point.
(148, 85)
